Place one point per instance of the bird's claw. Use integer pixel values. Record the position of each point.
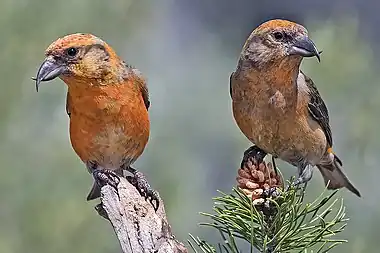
(296, 184)
(305, 173)
(291, 185)
(106, 177)
(254, 152)
(141, 183)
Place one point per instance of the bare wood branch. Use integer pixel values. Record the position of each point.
(138, 227)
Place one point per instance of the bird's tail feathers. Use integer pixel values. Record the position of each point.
(334, 176)
(94, 193)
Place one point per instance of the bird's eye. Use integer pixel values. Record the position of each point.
(72, 51)
(278, 35)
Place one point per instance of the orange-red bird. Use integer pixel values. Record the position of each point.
(107, 102)
(279, 108)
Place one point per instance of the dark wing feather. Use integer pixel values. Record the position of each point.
(231, 83)
(318, 110)
(139, 81)
(145, 95)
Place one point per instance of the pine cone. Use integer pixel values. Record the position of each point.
(257, 180)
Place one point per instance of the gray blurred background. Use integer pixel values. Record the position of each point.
(186, 50)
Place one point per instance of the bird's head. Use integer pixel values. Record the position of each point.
(277, 40)
(79, 58)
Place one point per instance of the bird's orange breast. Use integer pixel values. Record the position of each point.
(275, 118)
(108, 124)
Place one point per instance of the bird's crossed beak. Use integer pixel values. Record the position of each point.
(49, 70)
(305, 47)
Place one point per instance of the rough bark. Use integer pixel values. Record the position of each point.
(138, 227)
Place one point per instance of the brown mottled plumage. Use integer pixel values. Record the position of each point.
(107, 102)
(278, 108)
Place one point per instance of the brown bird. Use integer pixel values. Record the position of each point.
(279, 108)
(107, 102)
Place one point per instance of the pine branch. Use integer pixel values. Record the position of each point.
(260, 212)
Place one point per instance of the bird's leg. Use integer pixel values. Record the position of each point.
(103, 176)
(255, 152)
(305, 173)
(141, 183)
(274, 165)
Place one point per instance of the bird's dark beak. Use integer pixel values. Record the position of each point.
(49, 70)
(305, 47)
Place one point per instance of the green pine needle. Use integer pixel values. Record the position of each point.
(290, 225)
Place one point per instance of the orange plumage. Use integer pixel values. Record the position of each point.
(109, 123)
(277, 24)
(279, 108)
(107, 101)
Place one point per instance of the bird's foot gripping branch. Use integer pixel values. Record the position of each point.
(142, 185)
(138, 226)
(270, 219)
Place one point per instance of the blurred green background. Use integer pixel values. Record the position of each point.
(186, 50)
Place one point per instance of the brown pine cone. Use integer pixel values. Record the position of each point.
(257, 179)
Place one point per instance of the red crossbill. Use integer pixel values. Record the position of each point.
(107, 102)
(279, 108)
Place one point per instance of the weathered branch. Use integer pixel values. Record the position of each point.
(138, 227)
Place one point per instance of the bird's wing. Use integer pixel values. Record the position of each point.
(68, 104)
(231, 83)
(139, 81)
(317, 109)
(141, 84)
(145, 94)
